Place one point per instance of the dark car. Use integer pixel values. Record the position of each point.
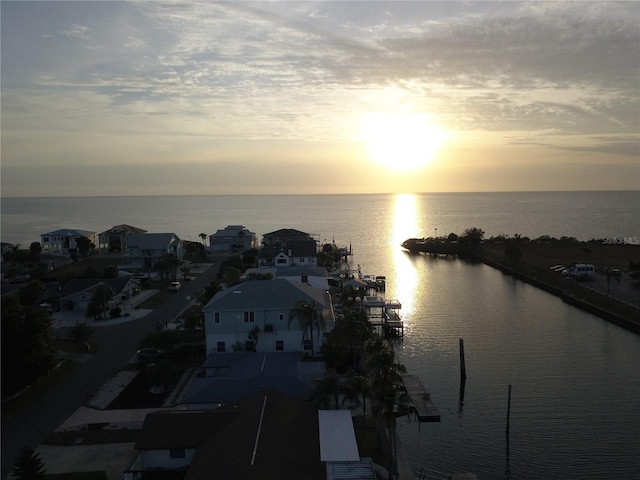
(149, 354)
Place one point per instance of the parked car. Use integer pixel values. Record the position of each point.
(149, 354)
(174, 286)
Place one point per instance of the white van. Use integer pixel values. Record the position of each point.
(581, 270)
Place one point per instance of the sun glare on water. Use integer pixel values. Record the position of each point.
(401, 141)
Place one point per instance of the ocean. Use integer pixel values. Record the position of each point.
(575, 378)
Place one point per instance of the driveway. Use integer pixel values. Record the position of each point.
(117, 342)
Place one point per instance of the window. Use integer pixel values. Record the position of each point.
(281, 316)
(279, 345)
(216, 317)
(301, 259)
(281, 260)
(221, 347)
(250, 346)
(307, 344)
(249, 317)
(176, 453)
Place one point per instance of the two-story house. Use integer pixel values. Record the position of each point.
(115, 239)
(284, 236)
(299, 252)
(233, 238)
(256, 315)
(65, 239)
(144, 250)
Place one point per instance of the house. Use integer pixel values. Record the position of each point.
(64, 240)
(77, 293)
(254, 315)
(143, 250)
(313, 276)
(285, 236)
(298, 252)
(233, 238)
(115, 239)
(264, 436)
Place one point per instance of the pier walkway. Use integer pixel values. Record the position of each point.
(421, 399)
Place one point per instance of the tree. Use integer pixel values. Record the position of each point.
(81, 333)
(388, 394)
(84, 245)
(328, 388)
(32, 293)
(35, 249)
(307, 315)
(28, 465)
(27, 345)
(472, 235)
(358, 390)
(99, 303)
(209, 292)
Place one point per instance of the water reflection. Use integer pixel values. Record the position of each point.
(404, 225)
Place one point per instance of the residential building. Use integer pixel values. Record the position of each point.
(77, 293)
(284, 236)
(313, 276)
(232, 316)
(64, 240)
(298, 252)
(144, 250)
(264, 436)
(115, 239)
(233, 238)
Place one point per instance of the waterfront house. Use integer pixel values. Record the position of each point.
(233, 238)
(64, 240)
(115, 239)
(254, 315)
(145, 249)
(267, 434)
(285, 236)
(310, 275)
(299, 252)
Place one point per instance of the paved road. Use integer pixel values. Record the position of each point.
(117, 344)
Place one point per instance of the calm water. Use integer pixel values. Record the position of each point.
(575, 381)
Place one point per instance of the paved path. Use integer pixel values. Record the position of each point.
(117, 342)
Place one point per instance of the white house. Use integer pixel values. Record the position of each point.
(233, 238)
(313, 276)
(64, 239)
(296, 253)
(254, 316)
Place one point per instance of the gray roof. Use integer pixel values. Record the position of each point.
(264, 295)
(152, 241)
(76, 285)
(242, 374)
(68, 232)
(287, 233)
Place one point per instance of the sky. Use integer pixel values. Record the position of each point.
(205, 98)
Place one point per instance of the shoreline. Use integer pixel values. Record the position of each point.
(581, 303)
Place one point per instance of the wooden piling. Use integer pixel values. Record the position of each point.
(463, 369)
(508, 411)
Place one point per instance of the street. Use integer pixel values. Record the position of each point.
(116, 345)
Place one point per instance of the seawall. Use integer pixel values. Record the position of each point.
(602, 312)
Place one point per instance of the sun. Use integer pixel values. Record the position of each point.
(401, 141)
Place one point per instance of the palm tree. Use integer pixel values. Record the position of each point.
(358, 390)
(389, 394)
(328, 387)
(307, 314)
(28, 465)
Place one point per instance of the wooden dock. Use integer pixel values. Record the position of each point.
(421, 399)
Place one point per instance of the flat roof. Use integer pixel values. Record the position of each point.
(337, 436)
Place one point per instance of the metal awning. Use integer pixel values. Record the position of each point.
(337, 436)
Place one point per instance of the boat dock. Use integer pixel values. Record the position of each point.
(421, 399)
